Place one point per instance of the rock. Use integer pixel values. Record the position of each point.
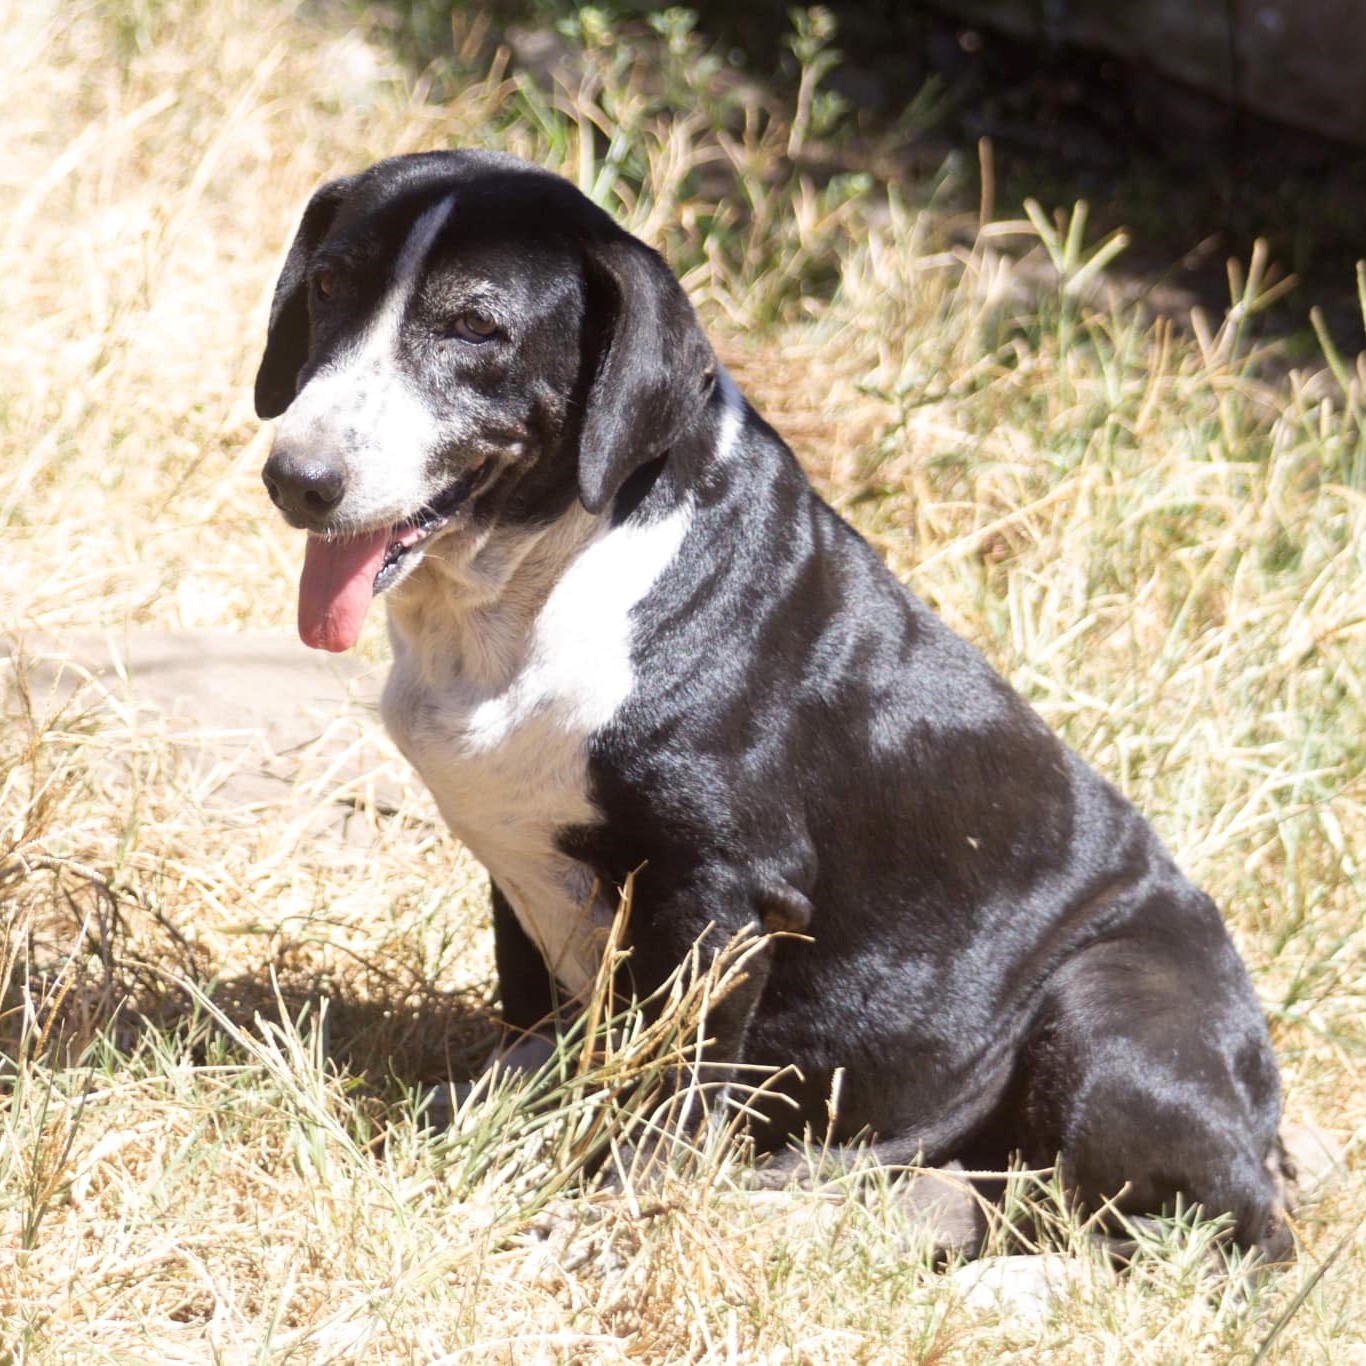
(1316, 1158)
(1021, 1287)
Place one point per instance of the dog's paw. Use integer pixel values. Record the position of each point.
(440, 1105)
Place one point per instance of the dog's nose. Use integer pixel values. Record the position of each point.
(303, 486)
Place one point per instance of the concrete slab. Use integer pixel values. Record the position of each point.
(267, 721)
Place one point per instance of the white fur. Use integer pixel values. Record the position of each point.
(508, 656)
(362, 407)
(732, 417)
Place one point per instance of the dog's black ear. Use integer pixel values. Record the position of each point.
(287, 337)
(654, 366)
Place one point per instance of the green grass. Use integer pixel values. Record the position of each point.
(217, 1019)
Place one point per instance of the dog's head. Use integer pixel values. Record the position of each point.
(459, 336)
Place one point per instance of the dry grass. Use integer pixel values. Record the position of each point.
(198, 1160)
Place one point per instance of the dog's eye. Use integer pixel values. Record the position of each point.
(473, 327)
(325, 283)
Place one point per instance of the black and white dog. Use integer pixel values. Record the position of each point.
(629, 638)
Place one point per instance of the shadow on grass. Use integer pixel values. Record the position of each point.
(410, 1037)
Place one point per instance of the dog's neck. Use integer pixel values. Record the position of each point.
(469, 608)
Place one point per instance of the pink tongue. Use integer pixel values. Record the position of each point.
(336, 586)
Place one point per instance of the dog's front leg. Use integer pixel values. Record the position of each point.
(711, 949)
(524, 981)
(526, 992)
(527, 1040)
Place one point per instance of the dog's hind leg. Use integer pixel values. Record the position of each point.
(1149, 1077)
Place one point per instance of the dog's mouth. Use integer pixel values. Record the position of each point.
(341, 575)
(407, 537)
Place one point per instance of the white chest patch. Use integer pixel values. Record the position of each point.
(494, 702)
